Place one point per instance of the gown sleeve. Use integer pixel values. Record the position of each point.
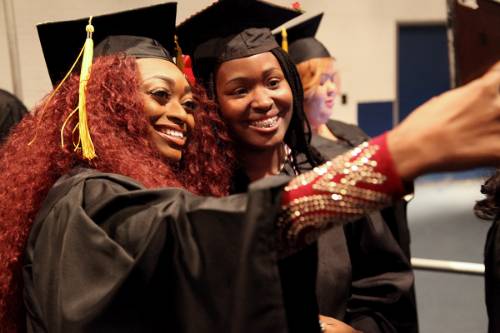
(107, 255)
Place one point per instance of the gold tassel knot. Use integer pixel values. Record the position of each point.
(284, 40)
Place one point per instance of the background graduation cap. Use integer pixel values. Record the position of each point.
(230, 29)
(302, 45)
(475, 39)
(62, 41)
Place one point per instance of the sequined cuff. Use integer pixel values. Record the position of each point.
(341, 190)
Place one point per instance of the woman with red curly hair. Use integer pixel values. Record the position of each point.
(161, 149)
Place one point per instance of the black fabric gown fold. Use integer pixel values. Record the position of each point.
(107, 255)
(364, 271)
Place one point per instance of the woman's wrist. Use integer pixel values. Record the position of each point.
(410, 154)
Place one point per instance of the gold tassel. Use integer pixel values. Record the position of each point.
(87, 146)
(178, 57)
(84, 139)
(284, 40)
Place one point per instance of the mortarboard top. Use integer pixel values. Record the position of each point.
(146, 32)
(302, 45)
(231, 29)
(475, 38)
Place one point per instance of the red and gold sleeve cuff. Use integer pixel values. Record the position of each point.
(342, 190)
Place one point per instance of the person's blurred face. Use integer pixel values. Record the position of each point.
(319, 106)
(255, 100)
(168, 103)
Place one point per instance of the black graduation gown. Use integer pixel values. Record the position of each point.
(106, 255)
(12, 110)
(492, 276)
(364, 274)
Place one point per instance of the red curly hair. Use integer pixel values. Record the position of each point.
(119, 130)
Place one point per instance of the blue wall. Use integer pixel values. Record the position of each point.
(375, 117)
(422, 65)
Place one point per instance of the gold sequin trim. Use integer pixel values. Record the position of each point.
(304, 218)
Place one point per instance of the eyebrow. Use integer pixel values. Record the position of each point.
(243, 78)
(269, 71)
(169, 81)
(328, 75)
(162, 77)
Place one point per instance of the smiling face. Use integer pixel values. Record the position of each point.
(255, 100)
(168, 103)
(320, 97)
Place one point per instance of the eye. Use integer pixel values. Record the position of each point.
(162, 96)
(190, 105)
(325, 78)
(239, 91)
(274, 82)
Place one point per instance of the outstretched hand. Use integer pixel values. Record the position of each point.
(333, 325)
(456, 130)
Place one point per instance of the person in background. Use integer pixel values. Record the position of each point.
(356, 260)
(489, 209)
(12, 110)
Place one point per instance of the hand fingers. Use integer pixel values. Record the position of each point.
(492, 77)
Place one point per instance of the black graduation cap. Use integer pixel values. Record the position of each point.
(302, 45)
(146, 32)
(231, 29)
(475, 34)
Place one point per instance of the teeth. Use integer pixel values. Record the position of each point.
(266, 123)
(174, 133)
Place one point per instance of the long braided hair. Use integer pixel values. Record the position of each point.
(298, 135)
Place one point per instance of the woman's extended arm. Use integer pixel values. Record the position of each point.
(456, 130)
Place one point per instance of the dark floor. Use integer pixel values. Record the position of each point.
(443, 227)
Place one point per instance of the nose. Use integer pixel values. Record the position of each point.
(176, 114)
(261, 100)
(331, 87)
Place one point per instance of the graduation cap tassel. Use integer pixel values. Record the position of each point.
(284, 40)
(178, 57)
(88, 150)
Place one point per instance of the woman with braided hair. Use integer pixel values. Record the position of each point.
(260, 97)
